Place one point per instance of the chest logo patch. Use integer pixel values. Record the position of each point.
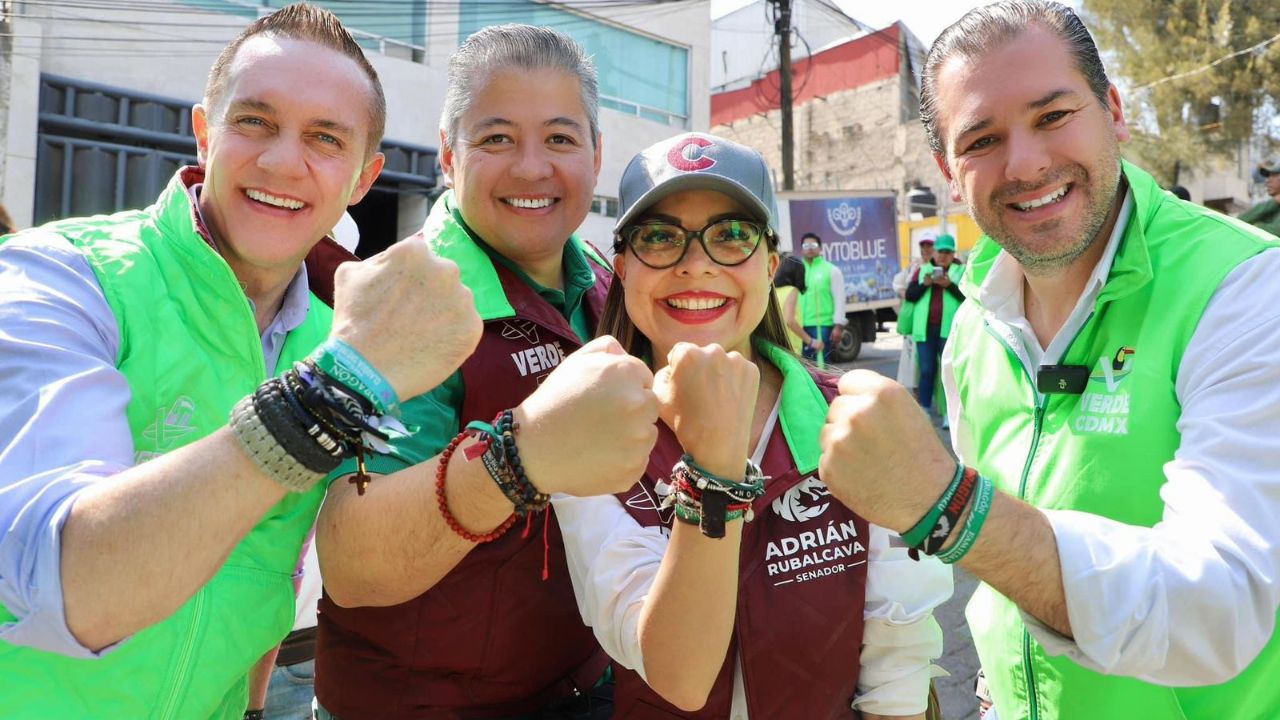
(1104, 408)
(804, 502)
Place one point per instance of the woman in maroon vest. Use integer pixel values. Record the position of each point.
(803, 611)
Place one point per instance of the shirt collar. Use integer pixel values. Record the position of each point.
(1001, 293)
(297, 297)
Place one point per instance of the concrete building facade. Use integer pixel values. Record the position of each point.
(856, 118)
(103, 85)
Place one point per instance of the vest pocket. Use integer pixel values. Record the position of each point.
(239, 615)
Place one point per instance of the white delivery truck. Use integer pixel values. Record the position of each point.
(859, 231)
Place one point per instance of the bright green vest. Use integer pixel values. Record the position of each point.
(815, 301)
(190, 349)
(1101, 452)
(920, 316)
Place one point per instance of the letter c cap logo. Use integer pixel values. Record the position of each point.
(687, 155)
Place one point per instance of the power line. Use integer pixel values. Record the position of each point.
(1206, 68)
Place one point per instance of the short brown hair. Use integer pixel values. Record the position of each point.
(302, 21)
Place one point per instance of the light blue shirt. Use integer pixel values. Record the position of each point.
(62, 418)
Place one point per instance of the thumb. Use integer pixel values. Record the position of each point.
(603, 344)
(664, 389)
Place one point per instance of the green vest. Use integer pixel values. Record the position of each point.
(1090, 453)
(815, 301)
(920, 314)
(190, 349)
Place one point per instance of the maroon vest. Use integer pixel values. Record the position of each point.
(801, 588)
(491, 638)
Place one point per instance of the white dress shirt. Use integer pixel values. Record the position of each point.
(62, 418)
(613, 562)
(1192, 600)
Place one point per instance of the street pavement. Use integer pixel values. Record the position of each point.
(958, 657)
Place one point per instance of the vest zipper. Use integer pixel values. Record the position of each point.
(1028, 673)
(197, 617)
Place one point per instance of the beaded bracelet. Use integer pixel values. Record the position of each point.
(442, 469)
(973, 525)
(711, 504)
(921, 530)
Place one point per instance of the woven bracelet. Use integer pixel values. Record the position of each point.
(266, 452)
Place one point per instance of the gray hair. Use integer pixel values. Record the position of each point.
(522, 47)
(988, 27)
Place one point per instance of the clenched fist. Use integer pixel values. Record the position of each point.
(589, 428)
(408, 313)
(708, 398)
(880, 456)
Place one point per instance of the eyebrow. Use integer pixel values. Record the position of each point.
(494, 121)
(263, 106)
(659, 217)
(1037, 104)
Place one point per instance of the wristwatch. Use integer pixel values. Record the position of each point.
(253, 714)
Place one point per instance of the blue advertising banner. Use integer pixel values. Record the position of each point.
(859, 235)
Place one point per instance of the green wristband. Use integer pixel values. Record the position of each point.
(916, 536)
(977, 516)
(345, 364)
(692, 517)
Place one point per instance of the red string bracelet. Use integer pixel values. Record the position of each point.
(454, 525)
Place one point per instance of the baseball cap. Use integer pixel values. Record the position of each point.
(926, 240)
(1271, 167)
(945, 243)
(697, 161)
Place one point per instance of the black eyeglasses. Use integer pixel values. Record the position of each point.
(662, 245)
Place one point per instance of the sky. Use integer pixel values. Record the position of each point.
(926, 18)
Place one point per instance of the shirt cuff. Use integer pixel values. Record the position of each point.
(897, 666)
(39, 606)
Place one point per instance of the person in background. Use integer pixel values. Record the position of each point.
(6, 222)
(788, 285)
(1181, 193)
(907, 372)
(1266, 214)
(936, 293)
(822, 304)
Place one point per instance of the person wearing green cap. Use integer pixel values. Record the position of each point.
(936, 292)
(1266, 214)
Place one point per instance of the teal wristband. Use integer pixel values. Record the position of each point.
(916, 536)
(345, 364)
(972, 526)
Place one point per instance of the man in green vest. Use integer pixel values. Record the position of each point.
(148, 544)
(1266, 214)
(1113, 393)
(822, 303)
(935, 290)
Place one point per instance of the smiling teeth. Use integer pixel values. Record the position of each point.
(273, 200)
(1040, 202)
(529, 203)
(696, 303)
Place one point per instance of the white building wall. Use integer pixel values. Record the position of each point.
(742, 41)
(414, 91)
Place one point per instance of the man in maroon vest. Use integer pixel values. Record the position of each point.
(419, 619)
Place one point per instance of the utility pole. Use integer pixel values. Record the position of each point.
(782, 28)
